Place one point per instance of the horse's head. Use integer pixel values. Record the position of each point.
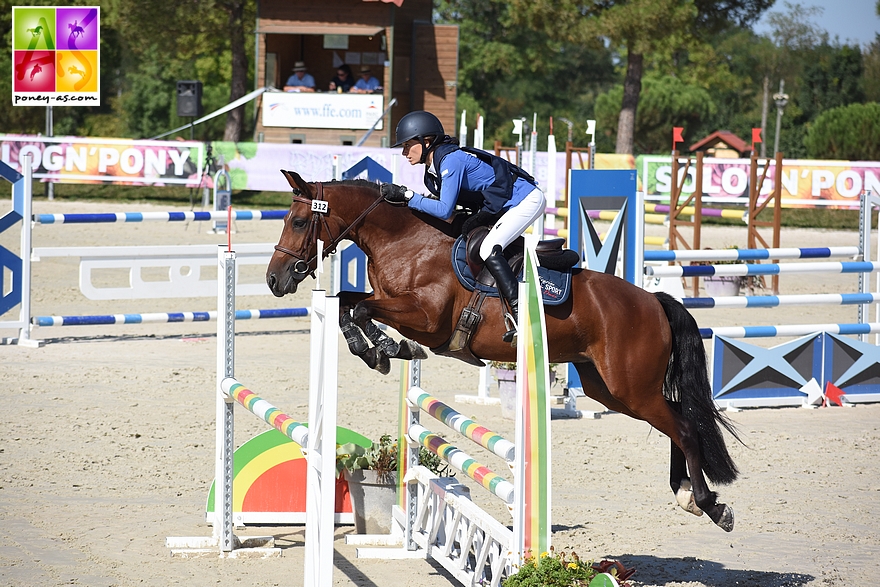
(312, 216)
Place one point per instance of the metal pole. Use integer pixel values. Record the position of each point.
(50, 130)
(781, 100)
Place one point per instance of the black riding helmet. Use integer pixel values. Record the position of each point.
(418, 125)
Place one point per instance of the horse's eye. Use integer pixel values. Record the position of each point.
(298, 223)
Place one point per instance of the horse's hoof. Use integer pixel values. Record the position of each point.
(685, 498)
(413, 349)
(383, 364)
(725, 522)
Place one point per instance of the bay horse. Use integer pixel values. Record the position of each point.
(637, 353)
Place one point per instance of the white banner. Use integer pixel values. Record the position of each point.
(307, 110)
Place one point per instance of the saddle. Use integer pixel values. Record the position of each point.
(551, 256)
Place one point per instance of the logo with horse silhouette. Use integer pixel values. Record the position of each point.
(56, 56)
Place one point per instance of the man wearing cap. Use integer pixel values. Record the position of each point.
(300, 81)
(367, 84)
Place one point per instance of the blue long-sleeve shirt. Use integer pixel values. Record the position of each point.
(461, 171)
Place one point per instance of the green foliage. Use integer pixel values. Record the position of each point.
(830, 79)
(871, 71)
(382, 457)
(508, 71)
(665, 102)
(848, 132)
(556, 569)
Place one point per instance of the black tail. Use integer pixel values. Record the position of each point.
(687, 382)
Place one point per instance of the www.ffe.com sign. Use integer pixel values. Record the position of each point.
(56, 56)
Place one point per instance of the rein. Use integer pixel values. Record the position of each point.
(320, 208)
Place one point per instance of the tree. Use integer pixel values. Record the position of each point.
(666, 101)
(507, 71)
(193, 34)
(831, 78)
(639, 27)
(848, 132)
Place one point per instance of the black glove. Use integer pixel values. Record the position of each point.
(394, 194)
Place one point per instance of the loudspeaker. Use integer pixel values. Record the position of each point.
(189, 99)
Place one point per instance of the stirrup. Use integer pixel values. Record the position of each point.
(510, 324)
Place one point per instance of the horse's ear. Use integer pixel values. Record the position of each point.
(296, 182)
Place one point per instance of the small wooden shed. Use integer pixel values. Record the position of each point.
(724, 144)
(415, 61)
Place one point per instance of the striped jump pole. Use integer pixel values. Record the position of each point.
(463, 462)
(704, 255)
(791, 330)
(166, 317)
(846, 299)
(296, 431)
(191, 216)
(763, 269)
(690, 210)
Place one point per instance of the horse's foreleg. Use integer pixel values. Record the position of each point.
(359, 346)
(406, 349)
(354, 337)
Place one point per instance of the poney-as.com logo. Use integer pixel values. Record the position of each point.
(56, 56)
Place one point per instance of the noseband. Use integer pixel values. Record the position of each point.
(320, 208)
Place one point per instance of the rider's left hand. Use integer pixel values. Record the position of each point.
(395, 194)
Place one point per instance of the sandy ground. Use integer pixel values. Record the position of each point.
(107, 448)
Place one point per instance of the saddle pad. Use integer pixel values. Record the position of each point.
(555, 285)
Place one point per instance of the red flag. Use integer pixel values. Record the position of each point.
(676, 135)
(834, 394)
(756, 136)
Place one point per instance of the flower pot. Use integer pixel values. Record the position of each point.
(722, 285)
(507, 392)
(372, 498)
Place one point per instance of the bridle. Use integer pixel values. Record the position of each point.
(320, 208)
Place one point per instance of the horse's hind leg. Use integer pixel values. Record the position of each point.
(679, 481)
(656, 411)
(686, 437)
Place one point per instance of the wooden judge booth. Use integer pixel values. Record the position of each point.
(415, 61)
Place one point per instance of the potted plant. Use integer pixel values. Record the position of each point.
(505, 373)
(559, 569)
(723, 285)
(371, 474)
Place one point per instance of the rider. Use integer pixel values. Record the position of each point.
(451, 173)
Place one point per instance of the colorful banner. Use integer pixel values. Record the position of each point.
(805, 183)
(119, 161)
(56, 56)
(322, 110)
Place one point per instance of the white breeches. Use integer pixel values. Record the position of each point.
(514, 222)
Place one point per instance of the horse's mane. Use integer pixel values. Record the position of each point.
(446, 228)
(357, 183)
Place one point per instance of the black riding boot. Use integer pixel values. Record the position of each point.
(507, 285)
